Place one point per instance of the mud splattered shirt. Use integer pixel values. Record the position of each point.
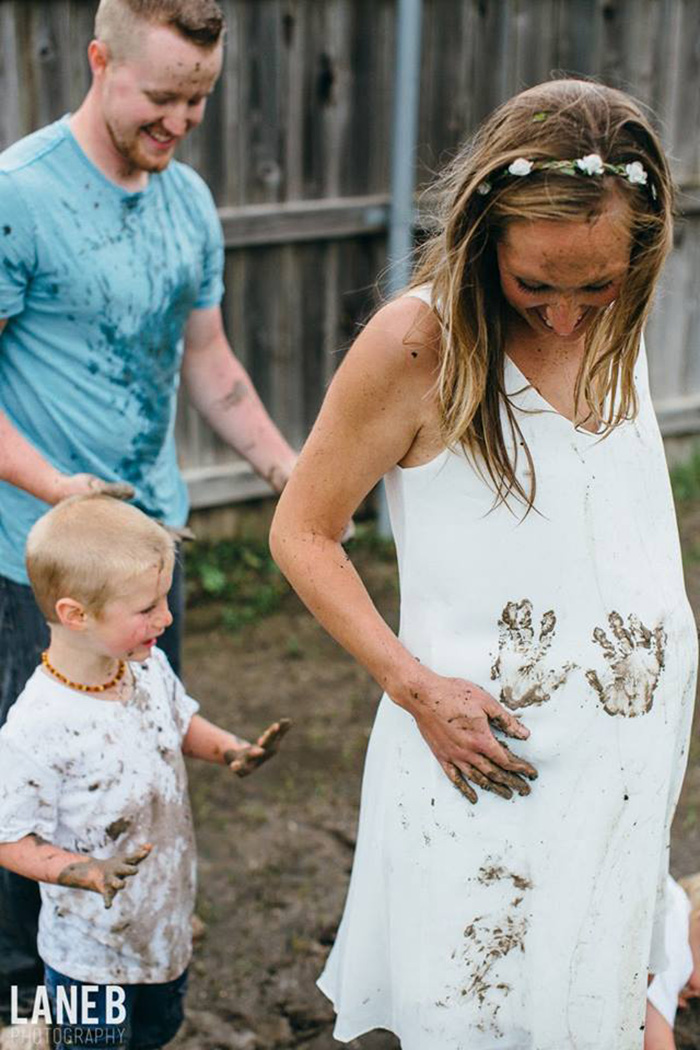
(99, 777)
(97, 283)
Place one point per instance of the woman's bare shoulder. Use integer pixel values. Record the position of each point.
(400, 343)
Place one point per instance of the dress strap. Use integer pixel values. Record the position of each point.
(422, 292)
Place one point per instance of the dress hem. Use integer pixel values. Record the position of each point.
(348, 1033)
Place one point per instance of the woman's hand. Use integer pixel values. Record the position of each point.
(455, 718)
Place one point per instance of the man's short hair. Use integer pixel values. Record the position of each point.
(200, 21)
(90, 548)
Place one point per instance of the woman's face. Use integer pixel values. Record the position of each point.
(559, 276)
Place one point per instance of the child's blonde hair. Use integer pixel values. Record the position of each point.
(88, 547)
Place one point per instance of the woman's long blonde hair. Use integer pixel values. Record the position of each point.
(558, 120)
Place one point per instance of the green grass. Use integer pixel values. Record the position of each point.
(239, 578)
(685, 479)
(237, 575)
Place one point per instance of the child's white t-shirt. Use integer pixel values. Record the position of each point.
(101, 777)
(664, 990)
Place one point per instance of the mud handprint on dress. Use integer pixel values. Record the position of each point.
(519, 665)
(635, 661)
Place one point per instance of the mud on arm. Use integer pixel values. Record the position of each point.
(221, 389)
(35, 858)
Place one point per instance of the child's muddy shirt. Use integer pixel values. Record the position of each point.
(98, 284)
(99, 777)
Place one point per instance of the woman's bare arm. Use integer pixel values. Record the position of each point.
(378, 406)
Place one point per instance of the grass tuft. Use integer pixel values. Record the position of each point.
(685, 479)
(239, 579)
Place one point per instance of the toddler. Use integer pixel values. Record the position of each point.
(93, 789)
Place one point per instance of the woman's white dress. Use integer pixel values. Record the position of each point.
(528, 924)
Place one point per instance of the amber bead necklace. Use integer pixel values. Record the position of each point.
(78, 685)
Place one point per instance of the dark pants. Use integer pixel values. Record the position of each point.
(23, 637)
(153, 1014)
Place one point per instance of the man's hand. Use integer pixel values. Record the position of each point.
(106, 877)
(244, 759)
(87, 484)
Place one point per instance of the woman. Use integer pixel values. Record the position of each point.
(505, 397)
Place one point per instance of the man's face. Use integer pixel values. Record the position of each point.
(156, 95)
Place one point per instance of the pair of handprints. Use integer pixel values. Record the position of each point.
(625, 685)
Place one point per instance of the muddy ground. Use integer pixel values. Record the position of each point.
(275, 850)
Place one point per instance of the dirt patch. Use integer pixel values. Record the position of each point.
(276, 849)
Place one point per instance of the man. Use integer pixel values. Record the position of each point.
(110, 287)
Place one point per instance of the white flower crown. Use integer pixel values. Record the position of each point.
(592, 164)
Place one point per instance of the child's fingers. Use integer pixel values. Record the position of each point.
(126, 871)
(141, 854)
(110, 891)
(274, 733)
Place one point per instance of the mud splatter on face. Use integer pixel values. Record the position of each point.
(519, 665)
(635, 660)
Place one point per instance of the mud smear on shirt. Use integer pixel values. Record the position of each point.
(117, 828)
(155, 924)
(635, 658)
(519, 665)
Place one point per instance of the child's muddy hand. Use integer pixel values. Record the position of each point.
(107, 876)
(86, 484)
(114, 872)
(248, 757)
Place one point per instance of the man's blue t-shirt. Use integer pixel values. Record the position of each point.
(97, 283)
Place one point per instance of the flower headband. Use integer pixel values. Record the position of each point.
(592, 164)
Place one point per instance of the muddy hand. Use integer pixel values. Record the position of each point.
(106, 877)
(87, 484)
(248, 757)
(456, 719)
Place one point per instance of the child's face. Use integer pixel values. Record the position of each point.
(128, 626)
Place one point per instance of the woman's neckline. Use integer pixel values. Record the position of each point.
(528, 385)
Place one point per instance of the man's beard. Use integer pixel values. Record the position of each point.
(135, 158)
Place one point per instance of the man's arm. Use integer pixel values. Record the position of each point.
(21, 464)
(221, 389)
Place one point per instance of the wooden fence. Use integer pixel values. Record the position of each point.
(296, 148)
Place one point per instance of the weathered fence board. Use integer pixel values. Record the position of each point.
(296, 148)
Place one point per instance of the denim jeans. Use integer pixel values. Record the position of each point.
(153, 1014)
(23, 637)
